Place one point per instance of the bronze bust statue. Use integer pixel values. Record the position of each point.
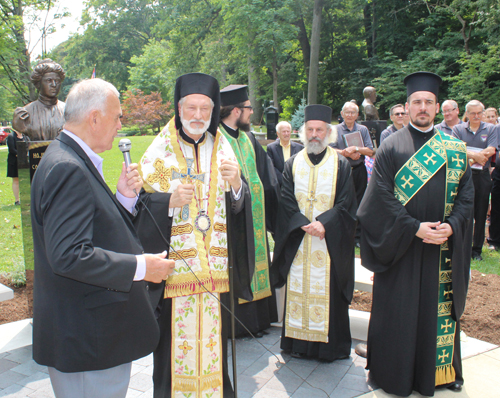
(369, 109)
(42, 119)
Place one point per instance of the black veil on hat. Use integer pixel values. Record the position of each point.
(318, 112)
(233, 94)
(422, 81)
(198, 83)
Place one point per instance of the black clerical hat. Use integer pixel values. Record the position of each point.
(318, 112)
(233, 94)
(422, 81)
(198, 83)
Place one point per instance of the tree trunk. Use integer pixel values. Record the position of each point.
(367, 21)
(23, 61)
(304, 43)
(275, 81)
(312, 91)
(253, 87)
(374, 28)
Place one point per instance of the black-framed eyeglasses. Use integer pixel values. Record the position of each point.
(400, 114)
(247, 107)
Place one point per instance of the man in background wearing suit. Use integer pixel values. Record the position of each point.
(91, 310)
(283, 148)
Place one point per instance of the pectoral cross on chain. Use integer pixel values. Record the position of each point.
(187, 178)
(311, 199)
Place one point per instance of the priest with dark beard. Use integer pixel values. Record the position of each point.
(258, 171)
(314, 252)
(416, 235)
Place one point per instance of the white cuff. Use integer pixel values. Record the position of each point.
(127, 203)
(140, 271)
(237, 196)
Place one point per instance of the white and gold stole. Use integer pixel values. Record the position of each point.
(196, 332)
(308, 284)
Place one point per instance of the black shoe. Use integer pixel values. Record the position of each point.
(258, 334)
(455, 387)
(361, 350)
(476, 256)
(298, 355)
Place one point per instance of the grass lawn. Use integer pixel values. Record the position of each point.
(10, 221)
(11, 251)
(10, 216)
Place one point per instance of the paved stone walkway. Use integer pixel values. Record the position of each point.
(258, 375)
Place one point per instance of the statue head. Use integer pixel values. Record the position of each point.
(47, 76)
(370, 93)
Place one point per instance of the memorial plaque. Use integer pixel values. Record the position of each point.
(29, 155)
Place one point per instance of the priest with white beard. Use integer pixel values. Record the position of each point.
(185, 171)
(314, 254)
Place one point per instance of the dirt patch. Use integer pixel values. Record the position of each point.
(481, 318)
(15, 309)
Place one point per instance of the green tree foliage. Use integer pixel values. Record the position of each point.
(267, 44)
(299, 116)
(17, 17)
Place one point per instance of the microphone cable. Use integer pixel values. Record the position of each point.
(279, 362)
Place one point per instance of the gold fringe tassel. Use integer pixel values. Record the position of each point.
(189, 383)
(445, 375)
(188, 288)
(213, 380)
(182, 384)
(306, 335)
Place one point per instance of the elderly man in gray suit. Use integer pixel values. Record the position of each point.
(91, 310)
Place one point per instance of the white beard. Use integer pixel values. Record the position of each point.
(195, 131)
(316, 147)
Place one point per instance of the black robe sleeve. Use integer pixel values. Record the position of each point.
(387, 228)
(339, 223)
(461, 223)
(267, 175)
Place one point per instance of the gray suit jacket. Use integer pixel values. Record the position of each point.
(88, 314)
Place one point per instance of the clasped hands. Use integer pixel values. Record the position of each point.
(350, 152)
(230, 172)
(315, 229)
(478, 157)
(435, 233)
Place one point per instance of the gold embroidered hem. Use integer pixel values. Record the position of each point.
(308, 284)
(196, 347)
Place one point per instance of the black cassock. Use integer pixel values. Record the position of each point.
(340, 226)
(258, 315)
(157, 204)
(403, 325)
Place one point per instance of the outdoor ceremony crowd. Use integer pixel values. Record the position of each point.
(157, 266)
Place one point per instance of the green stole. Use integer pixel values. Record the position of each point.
(243, 148)
(441, 150)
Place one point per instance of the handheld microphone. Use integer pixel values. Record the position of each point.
(125, 146)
